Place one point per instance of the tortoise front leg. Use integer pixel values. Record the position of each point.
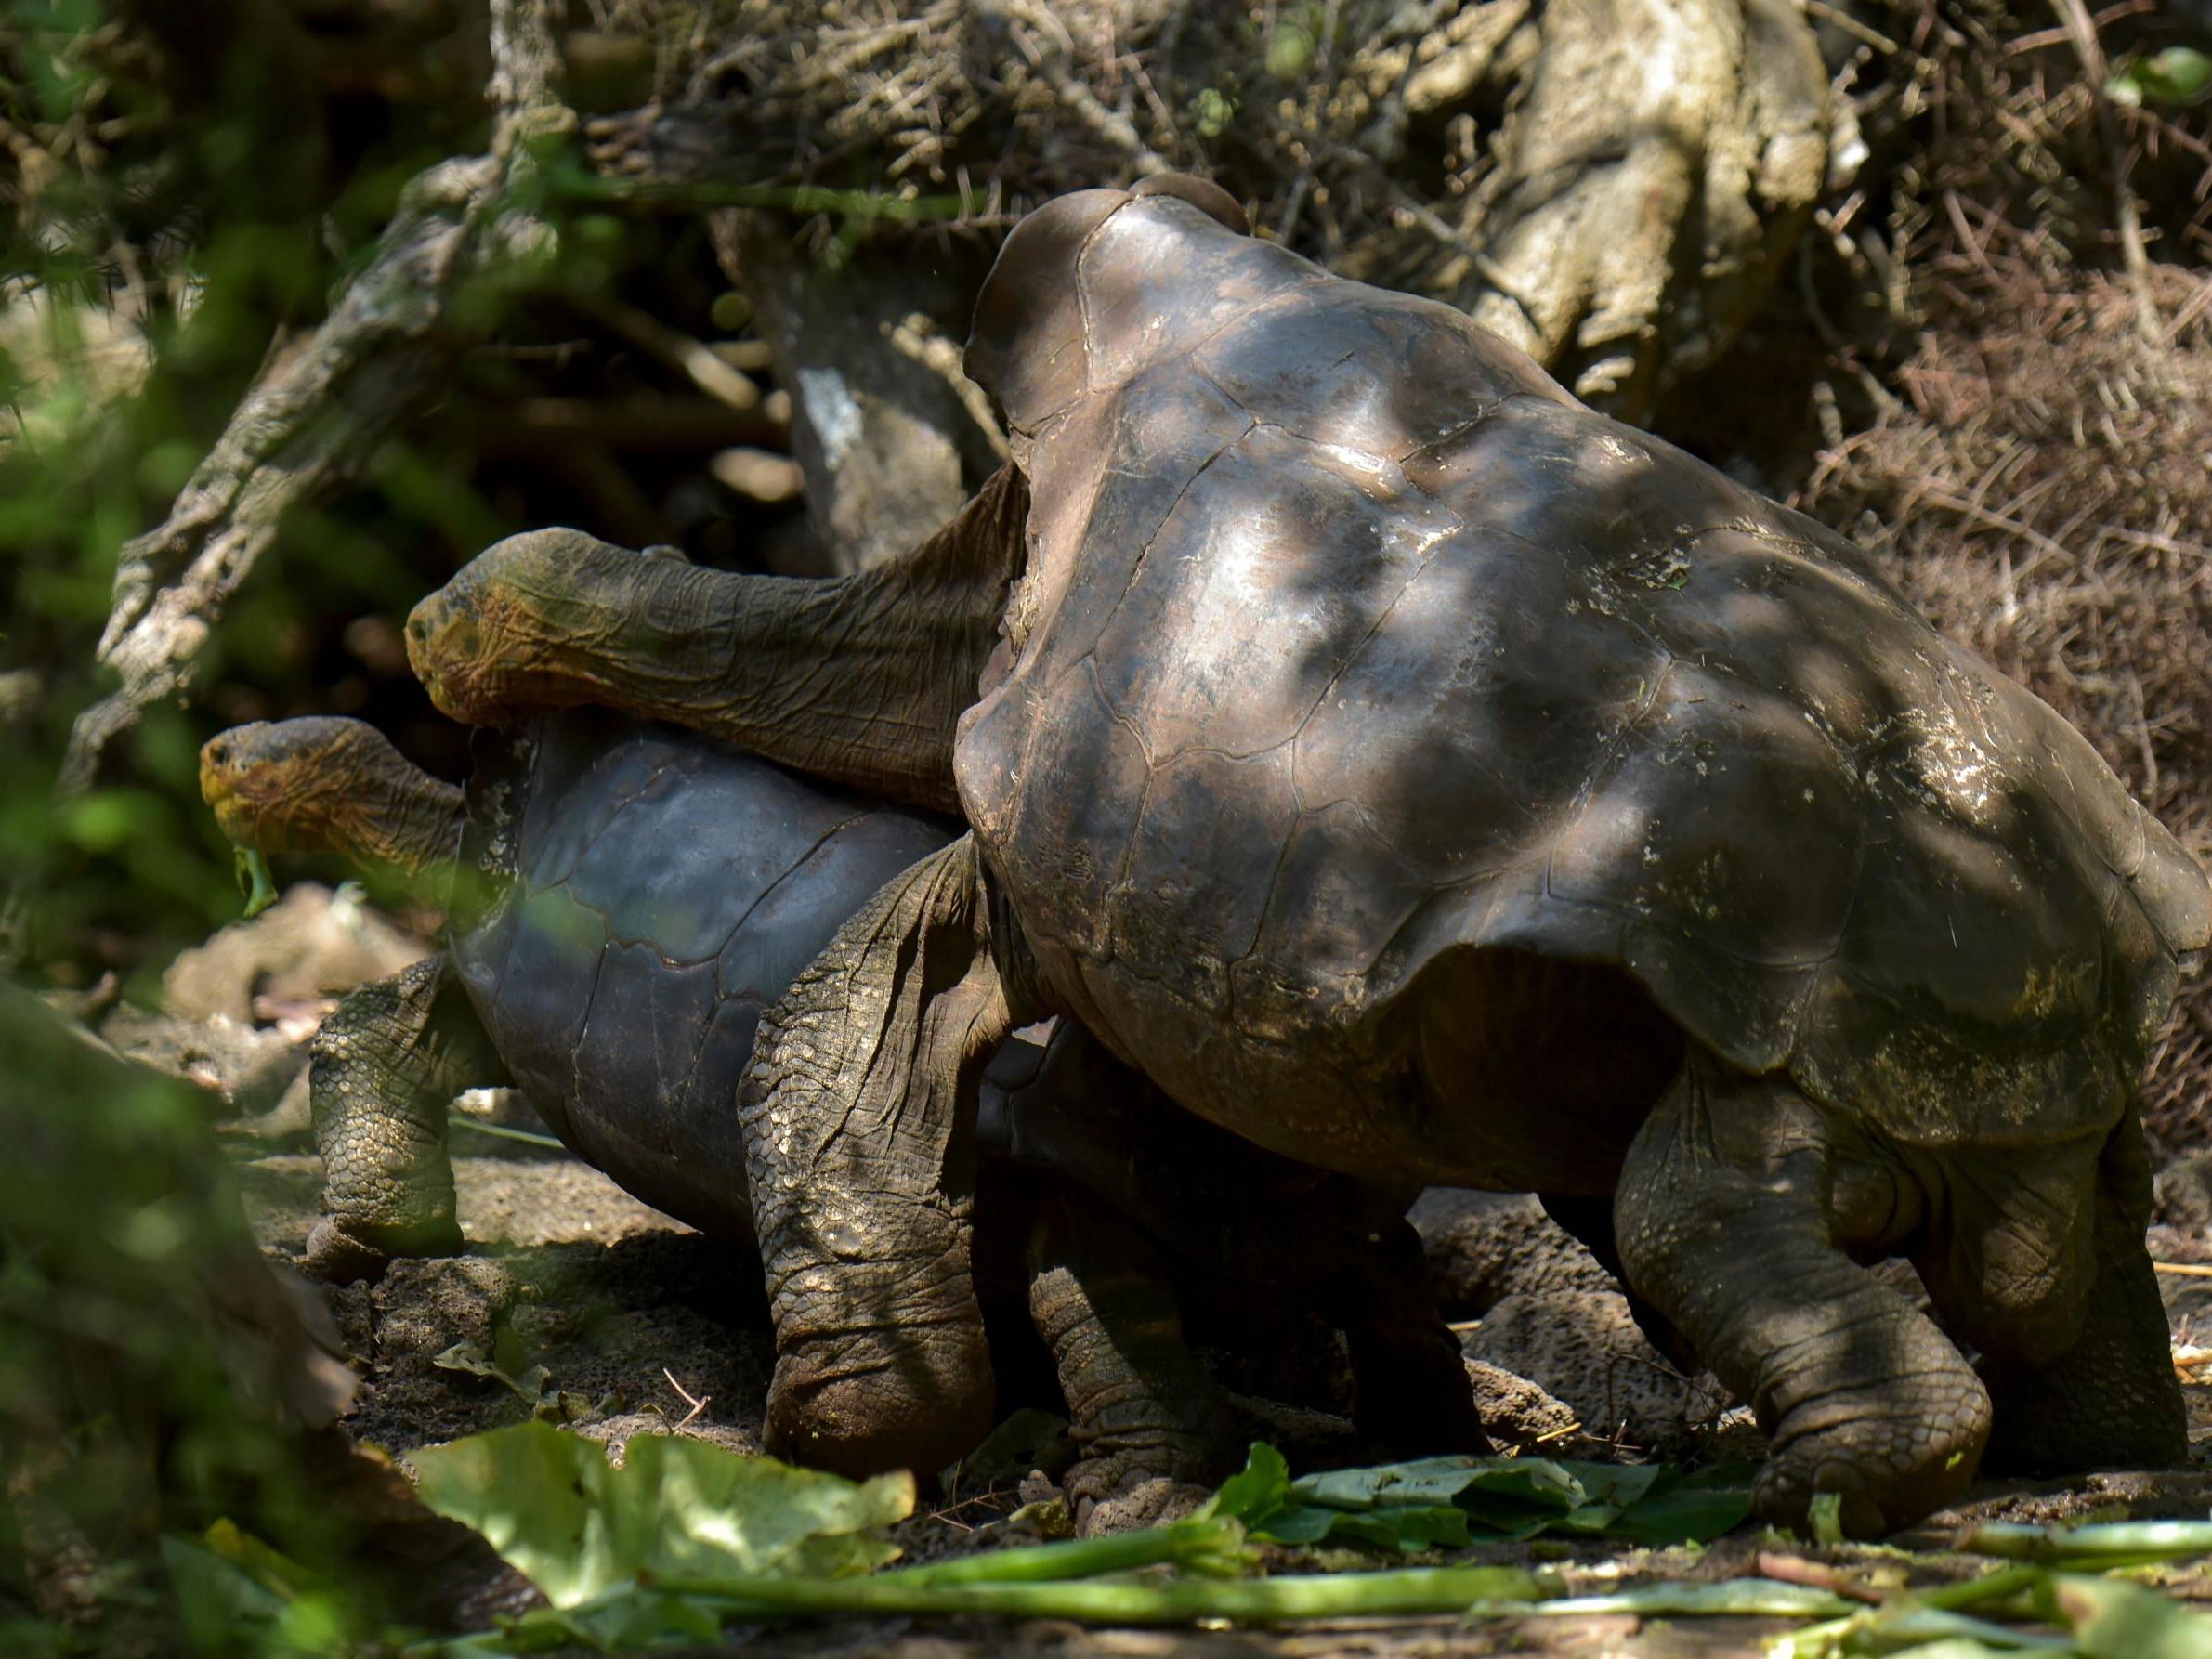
(1737, 1202)
(1152, 1426)
(858, 1112)
(383, 1072)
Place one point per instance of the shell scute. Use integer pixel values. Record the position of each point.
(1156, 281)
(1317, 384)
(1207, 878)
(1223, 640)
(703, 853)
(645, 893)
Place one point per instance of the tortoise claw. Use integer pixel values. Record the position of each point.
(336, 1255)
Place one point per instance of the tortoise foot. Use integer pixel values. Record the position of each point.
(1111, 1494)
(338, 1254)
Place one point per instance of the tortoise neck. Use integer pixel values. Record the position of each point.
(409, 822)
(861, 680)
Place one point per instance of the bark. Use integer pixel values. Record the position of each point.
(889, 433)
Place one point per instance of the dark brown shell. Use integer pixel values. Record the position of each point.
(1351, 642)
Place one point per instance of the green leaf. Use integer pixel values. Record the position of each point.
(255, 882)
(1683, 1513)
(2178, 75)
(578, 1528)
(1449, 1502)
(1440, 1526)
(1440, 1480)
(2114, 1619)
(1259, 1489)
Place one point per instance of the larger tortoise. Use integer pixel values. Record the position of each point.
(624, 901)
(1414, 771)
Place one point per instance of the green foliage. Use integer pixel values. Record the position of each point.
(580, 1529)
(2113, 1619)
(147, 1356)
(1453, 1502)
(2177, 75)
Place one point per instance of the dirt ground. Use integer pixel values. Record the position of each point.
(643, 1326)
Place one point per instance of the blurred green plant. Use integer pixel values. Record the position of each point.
(2177, 75)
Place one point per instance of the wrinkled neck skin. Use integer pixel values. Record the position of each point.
(861, 680)
(393, 818)
(409, 824)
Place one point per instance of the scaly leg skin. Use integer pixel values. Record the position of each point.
(1153, 1428)
(382, 1071)
(858, 1112)
(1736, 1199)
(2110, 1400)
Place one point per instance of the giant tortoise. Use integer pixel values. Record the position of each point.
(624, 902)
(1422, 775)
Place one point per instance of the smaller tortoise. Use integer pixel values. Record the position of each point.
(635, 897)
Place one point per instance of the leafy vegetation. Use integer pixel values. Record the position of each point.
(685, 1539)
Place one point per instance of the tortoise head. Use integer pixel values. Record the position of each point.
(493, 644)
(322, 784)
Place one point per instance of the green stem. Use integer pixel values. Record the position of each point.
(1750, 1598)
(579, 185)
(1168, 1601)
(528, 1137)
(2119, 1543)
(1973, 1592)
(1186, 1542)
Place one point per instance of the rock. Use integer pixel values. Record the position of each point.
(248, 1069)
(1483, 1246)
(1582, 1349)
(2181, 1198)
(311, 945)
(1517, 1413)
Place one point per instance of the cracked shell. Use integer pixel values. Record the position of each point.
(1357, 661)
(632, 898)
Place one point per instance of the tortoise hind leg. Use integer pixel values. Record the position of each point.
(382, 1071)
(1410, 1393)
(1737, 1199)
(1151, 1426)
(2110, 1400)
(1589, 1220)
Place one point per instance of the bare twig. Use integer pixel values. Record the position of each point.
(698, 1405)
(704, 368)
(2127, 215)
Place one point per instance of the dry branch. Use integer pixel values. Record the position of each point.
(322, 408)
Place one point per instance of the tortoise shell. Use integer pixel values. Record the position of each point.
(632, 898)
(1354, 652)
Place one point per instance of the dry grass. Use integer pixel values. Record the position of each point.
(1348, 125)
